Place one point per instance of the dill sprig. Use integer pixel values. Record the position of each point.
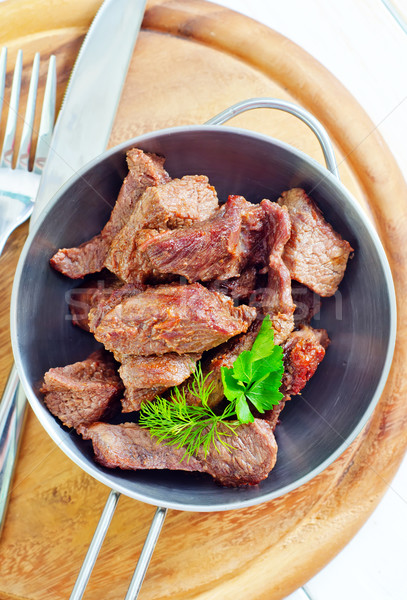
(183, 425)
(254, 380)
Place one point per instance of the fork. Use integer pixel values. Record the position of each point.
(18, 190)
(19, 185)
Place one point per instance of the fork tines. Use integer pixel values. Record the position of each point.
(47, 114)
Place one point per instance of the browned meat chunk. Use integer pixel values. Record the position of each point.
(127, 446)
(145, 170)
(253, 236)
(95, 298)
(217, 248)
(273, 416)
(132, 262)
(83, 392)
(88, 295)
(315, 255)
(185, 319)
(237, 288)
(202, 251)
(178, 203)
(109, 299)
(307, 303)
(276, 299)
(81, 300)
(145, 377)
(303, 351)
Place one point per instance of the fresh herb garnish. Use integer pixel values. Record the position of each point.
(255, 376)
(179, 424)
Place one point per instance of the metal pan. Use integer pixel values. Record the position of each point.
(360, 318)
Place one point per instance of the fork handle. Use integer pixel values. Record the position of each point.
(12, 413)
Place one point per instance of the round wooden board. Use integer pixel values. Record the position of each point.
(192, 60)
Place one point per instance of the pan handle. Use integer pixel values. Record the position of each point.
(293, 109)
(146, 554)
(97, 541)
(95, 545)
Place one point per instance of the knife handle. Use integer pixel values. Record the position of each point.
(12, 414)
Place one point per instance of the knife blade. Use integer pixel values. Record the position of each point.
(89, 107)
(81, 132)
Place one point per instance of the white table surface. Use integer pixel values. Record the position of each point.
(364, 46)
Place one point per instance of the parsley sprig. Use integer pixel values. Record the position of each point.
(254, 379)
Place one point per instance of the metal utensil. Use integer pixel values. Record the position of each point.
(81, 132)
(19, 184)
(18, 192)
(89, 107)
(313, 433)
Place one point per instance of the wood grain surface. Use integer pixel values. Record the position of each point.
(192, 60)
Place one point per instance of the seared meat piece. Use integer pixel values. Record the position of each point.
(128, 446)
(178, 203)
(132, 262)
(186, 319)
(273, 416)
(203, 251)
(88, 295)
(307, 303)
(95, 298)
(253, 236)
(237, 288)
(107, 301)
(145, 377)
(145, 170)
(81, 300)
(217, 248)
(83, 392)
(303, 351)
(276, 299)
(316, 255)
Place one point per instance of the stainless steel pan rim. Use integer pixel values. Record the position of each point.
(244, 497)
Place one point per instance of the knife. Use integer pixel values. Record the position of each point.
(81, 133)
(89, 107)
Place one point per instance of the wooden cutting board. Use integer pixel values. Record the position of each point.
(192, 60)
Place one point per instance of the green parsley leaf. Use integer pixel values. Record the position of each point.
(231, 386)
(263, 394)
(242, 409)
(271, 364)
(242, 367)
(255, 376)
(264, 343)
